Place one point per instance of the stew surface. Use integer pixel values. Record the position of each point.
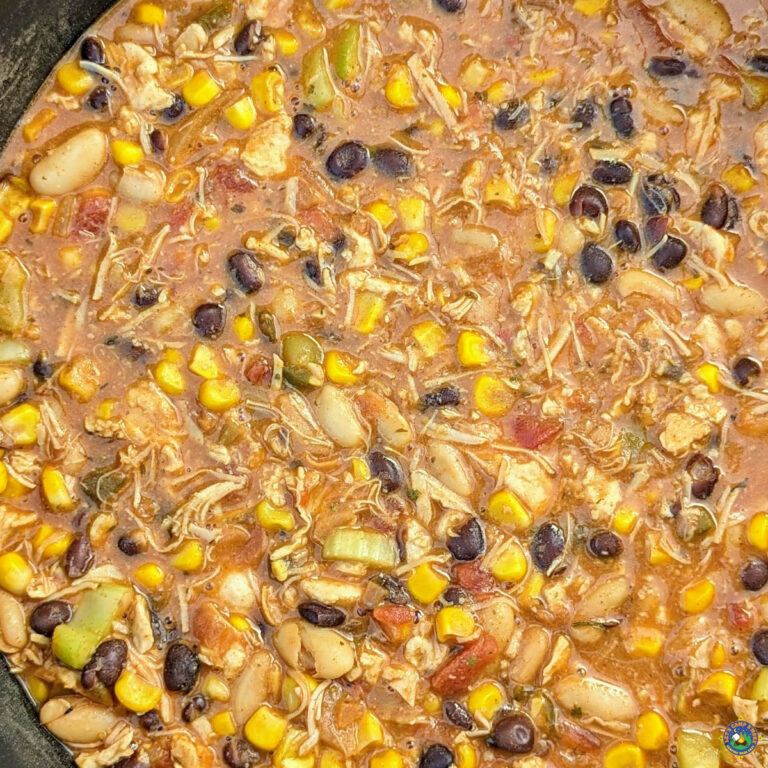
(382, 385)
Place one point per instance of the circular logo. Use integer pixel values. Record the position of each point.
(740, 738)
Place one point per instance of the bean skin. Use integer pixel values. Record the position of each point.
(511, 115)
(436, 756)
(745, 370)
(194, 708)
(669, 254)
(456, 713)
(321, 615)
(79, 557)
(92, 50)
(704, 475)
(238, 753)
(605, 545)
(393, 162)
(514, 733)
(444, 397)
(627, 236)
(588, 201)
(452, 6)
(151, 722)
(584, 114)
(754, 575)
(759, 646)
(387, 470)
(304, 125)
(611, 172)
(621, 117)
(176, 110)
(47, 616)
(98, 99)
(666, 66)
(248, 39)
(547, 546)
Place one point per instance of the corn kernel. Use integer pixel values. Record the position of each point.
(476, 72)
(130, 218)
(698, 597)
(201, 89)
(6, 226)
(757, 531)
(499, 92)
(389, 758)
(399, 89)
(330, 758)
(38, 689)
(272, 518)
(694, 283)
(369, 731)
(265, 728)
(466, 756)
(308, 19)
(360, 470)
(410, 245)
(72, 78)
(432, 703)
(51, 542)
(451, 95)
(510, 563)
(718, 656)
(55, 491)
(546, 223)
(286, 42)
(173, 356)
(651, 731)
(544, 75)
(136, 694)
(169, 378)
(15, 198)
(42, 210)
(426, 584)
(369, 307)
(148, 13)
(498, 191)
(383, 212)
(719, 688)
(80, 377)
(505, 508)
(21, 423)
(15, 490)
(219, 395)
(127, 152)
(3, 477)
(454, 623)
(709, 374)
(532, 590)
(240, 622)
(624, 520)
(645, 642)
(216, 688)
(563, 188)
(430, 336)
(625, 754)
(223, 724)
(15, 573)
(486, 700)
(106, 408)
(190, 557)
(739, 178)
(472, 349)
(759, 690)
(268, 91)
(33, 129)
(657, 555)
(202, 362)
(413, 213)
(340, 367)
(492, 396)
(245, 330)
(150, 575)
(242, 114)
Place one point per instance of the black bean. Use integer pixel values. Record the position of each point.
(596, 264)
(304, 125)
(98, 99)
(611, 172)
(759, 646)
(321, 615)
(47, 616)
(238, 753)
(514, 733)
(588, 201)
(181, 668)
(387, 470)
(584, 114)
(704, 475)
(396, 592)
(286, 237)
(436, 756)
(666, 66)
(247, 270)
(394, 162)
(621, 116)
(547, 546)
(440, 398)
(745, 370)
(669, 254)
(92, 50)
(312, 270)
(151, 722)
(456, 595)
(133, 761)
(79, 557)
(248, 39)
(194, 708)
(209, 320)
(605, 544)
(347, 160)
(469, 541)
(176, 110)
(146, 295)
(158, 140)
(455, 712)
(42, 367)
(512, 115)
(656, 229)
(758, 62)
(452, 6)
(106, 664)
(754, 574)
(129, 545)
(658, 195)
(627, 236)
(720, 210)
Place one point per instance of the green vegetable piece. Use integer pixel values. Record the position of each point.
(316, 79)
(215, 17)
(13, 282)
(74, 643)
(695, 750)
(302, 360)
(346, 52)
(352, 545)
(267, 325)
(103, 485)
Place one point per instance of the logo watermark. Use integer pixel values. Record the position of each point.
(740, 738)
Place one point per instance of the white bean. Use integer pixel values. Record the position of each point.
(733, 300)
(646, 283)
(529, 659)
(144, 185)
(336, 415)
(71, 165)
(76, 720)
(258, 683)
(13, 625)
(447, 464)
(11, 384)
(596, 698)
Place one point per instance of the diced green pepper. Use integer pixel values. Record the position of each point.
(13, 281)
(346, 52)
(215, 17)
(316, 79)
(695, 750)
(74, 643)
(352, 545)
(302, 358)
(103, 485)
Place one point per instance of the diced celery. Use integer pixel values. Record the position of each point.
(695, 750)
(316, 80)
(356, 546)
(346, 52)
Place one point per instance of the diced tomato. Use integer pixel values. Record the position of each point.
(323, 225)
(396, 621)
(466, 667)
(259, 371)
(474, 579)
(531, 431)
(92, 215)
(180, 214)
(741, 616)
(231, 178)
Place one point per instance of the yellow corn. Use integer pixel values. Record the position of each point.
(657, 555)
(149, 575)
(399, 89)
(369, 307)
(190, 557)
(413, 213)
(759, 690)
(202, 362)
(430, 336)
(287, 753)
(265, 728)
(32, 130)
(698, 597)
(180, 184)
(476, 72)
(15, 573)
(563, 187)
(486, 700)
(739, 178)
(340, 367)
(211, 223)
(286, 42)
(218, 395)
(106, 408)
(492, 396)
(201, 89)
(651, 731)
(21, 423)
(757, 531)
(510, 563)
(72, 78)
(51, 542)
(14, 489)
(42, 210)
(308, 19)
(718, 656)
(694, 283)
(216, 688)
(410, 245)
(472, 349)
(71, 257)
(451, 95)
(6, 226)
(499, 92)
(389, 758)
(136, 694)
(505, 508)
(337, 5)
(242, 114)
(272, 518)
(544, 75)
(625, 754)
(383, 212)
(148, 13)
(3, 477)
(454, 623)
(719, 688)
(268, 91)
(624, 520)
(546, 223)
(645, 642)
(426, 584)
(55, 491)
(127, 152)
(245, 330)
(360, 470)
(131, 218)
(15, 197)
(432, 703)
(80, 377)
(466, 756)
(709, 374)
(223, 724)
(369, 731)
(170, 378)
(240, 622)
(38, 689)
